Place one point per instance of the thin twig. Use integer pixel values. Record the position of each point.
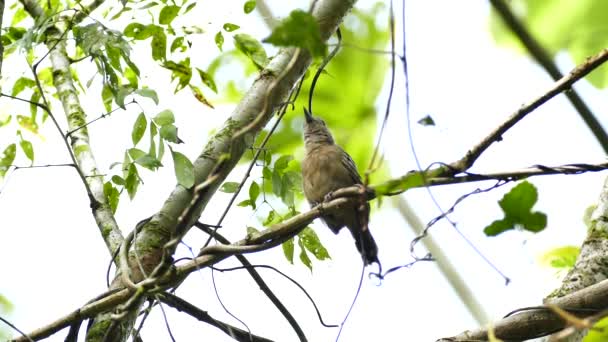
(561, 85)
(184, 306)
(542, 57)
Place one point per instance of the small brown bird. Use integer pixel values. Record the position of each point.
(326, 168)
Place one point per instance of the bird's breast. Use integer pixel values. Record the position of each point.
(323, 172)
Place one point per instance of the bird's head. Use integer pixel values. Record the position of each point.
(315, 131)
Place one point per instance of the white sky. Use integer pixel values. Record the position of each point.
(54, 260)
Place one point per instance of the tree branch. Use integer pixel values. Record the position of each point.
(420, 178)
(541, 321)
(268, 238)
(541, 56)
(259, 281)
(154, 244)
(184, 306)
(79, 142)
(559, 86)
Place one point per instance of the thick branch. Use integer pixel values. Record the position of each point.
(79, 142)
(539, 322)
(268, 238)
(184, 206)
(543, 58)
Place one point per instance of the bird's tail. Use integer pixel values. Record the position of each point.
(367, 246)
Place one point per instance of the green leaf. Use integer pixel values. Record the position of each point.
(311, 242)
(131, 76)
(136, 153)
(300, 29)
(190, 7)
(8, 156)
(198, 94)
(267, 173)
(561, 257)
(277, 184)
(106, 97)
(184, 170)
(34, 108)
(287, 196)
(118, 180)
(244, 203)
(149, 162)
(518, 202)
(281, 163)
(112, 195)
(19, 15)
(288, 248)
(27, 123)
(207, 80)
(427, 121)
(229, 187)
(139, 31)
(167, 14)
(219, 40)
(254, 192)
(159, 46)
(28, 149)
(498, 227)
(5, 120)
(228, 27)
(161, 148)
(153, 133)
(249, 7)
(132, 181)
(270, 218)
(178, 43)
(126, 162)
(180, 71)
(139, 128)
(169, 133)
(599, 332)
(517, 205)
(252, 48)
(21, 83)
(304, 256)
(149, 93)
(165, 117)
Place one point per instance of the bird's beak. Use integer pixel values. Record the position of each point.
(307, 115)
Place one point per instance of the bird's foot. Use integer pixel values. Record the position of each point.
(328, 197)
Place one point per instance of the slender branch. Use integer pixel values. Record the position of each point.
(459, 285)
(259, 281)
(232, 331)
(559, 86)
(79, 144)
(542, 57)
(536, 170)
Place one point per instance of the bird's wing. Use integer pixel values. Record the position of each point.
(349, 164)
